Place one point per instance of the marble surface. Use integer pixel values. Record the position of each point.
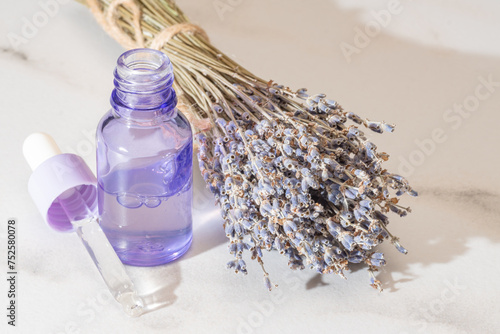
(421, 63)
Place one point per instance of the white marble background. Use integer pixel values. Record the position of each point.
(429, 59)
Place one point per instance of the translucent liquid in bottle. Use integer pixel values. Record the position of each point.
(147, 230)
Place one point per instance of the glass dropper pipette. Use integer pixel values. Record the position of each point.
(64, 190)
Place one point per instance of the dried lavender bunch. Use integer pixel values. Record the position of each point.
(291, 171)
(296, 178)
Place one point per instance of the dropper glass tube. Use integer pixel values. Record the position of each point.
(110, 267)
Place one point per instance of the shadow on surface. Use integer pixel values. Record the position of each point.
(439, 230)
(315, 282)
(208, 231)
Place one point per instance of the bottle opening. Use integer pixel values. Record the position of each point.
(143, 81)
(135, 64)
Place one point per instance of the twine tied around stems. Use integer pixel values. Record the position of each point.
(108, 19)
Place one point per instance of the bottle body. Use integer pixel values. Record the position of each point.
(144, 170)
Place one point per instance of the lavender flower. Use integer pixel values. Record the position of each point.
(296, 178)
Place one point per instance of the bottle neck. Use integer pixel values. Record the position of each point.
(143, 86)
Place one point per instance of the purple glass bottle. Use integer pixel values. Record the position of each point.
(144, 163)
